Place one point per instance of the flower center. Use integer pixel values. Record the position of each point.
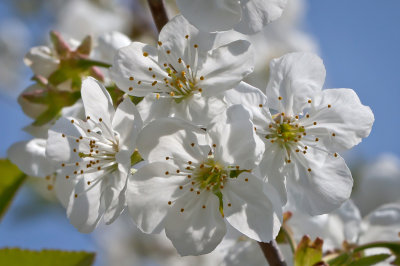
(285, 130)
(210, 175)
(96, 149)
(182, 85)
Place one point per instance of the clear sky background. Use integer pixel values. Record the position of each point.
(359, 42)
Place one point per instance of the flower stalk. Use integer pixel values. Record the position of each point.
(159, 13)
(272, 253)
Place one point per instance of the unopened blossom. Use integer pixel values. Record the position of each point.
(247, 16)
(197, 181)
(303, 129)
(95, 156)
(185, 75)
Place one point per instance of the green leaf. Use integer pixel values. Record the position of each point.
(11, 178)
(87, 63)
(370, 260)
(308, 253)
(394, 247)
(18, 257)
(339, 260)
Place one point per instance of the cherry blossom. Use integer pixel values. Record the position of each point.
(95, 155)
(197, 181)
(185, 75)
(303, 129)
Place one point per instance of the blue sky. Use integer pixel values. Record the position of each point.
(359, 42)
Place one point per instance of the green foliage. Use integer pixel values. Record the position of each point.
(370, 260)
(18, 257)
(11, 178)
(308, 253)
(355, 256)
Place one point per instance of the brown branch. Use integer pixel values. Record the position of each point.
(159, 13)
(272, 253)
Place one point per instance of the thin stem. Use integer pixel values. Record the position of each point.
(159, 13)
(290, 239)
(272, 253)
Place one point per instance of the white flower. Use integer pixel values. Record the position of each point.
(195, 182)
(95, 155)
(247, 16)
(378, 184)
(303, 128)
(184, 76)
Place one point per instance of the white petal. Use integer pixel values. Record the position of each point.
(196, 230)
(115, 202)
(324, 188)
(97, 101)
(173, 138)
(59, 148)
(296, 77)
(211, 15)
(197, 109)
(236, 142)
(109, 43)
(151, 108)
(258, 13)
(30, 157)
(350, 216)
(149, 191)
(347, 118)
(41, 60)
(63, 188)
(127, 123)
(173, 39)
(273, 168)
(383, 224)
(85, 211)
(253, 99)
(225, 67)
(251, 211)
(135, 61)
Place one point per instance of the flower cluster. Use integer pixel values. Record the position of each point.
(188, 147)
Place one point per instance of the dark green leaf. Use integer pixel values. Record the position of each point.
(370, 260)
(11, 178)
(87, 63)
